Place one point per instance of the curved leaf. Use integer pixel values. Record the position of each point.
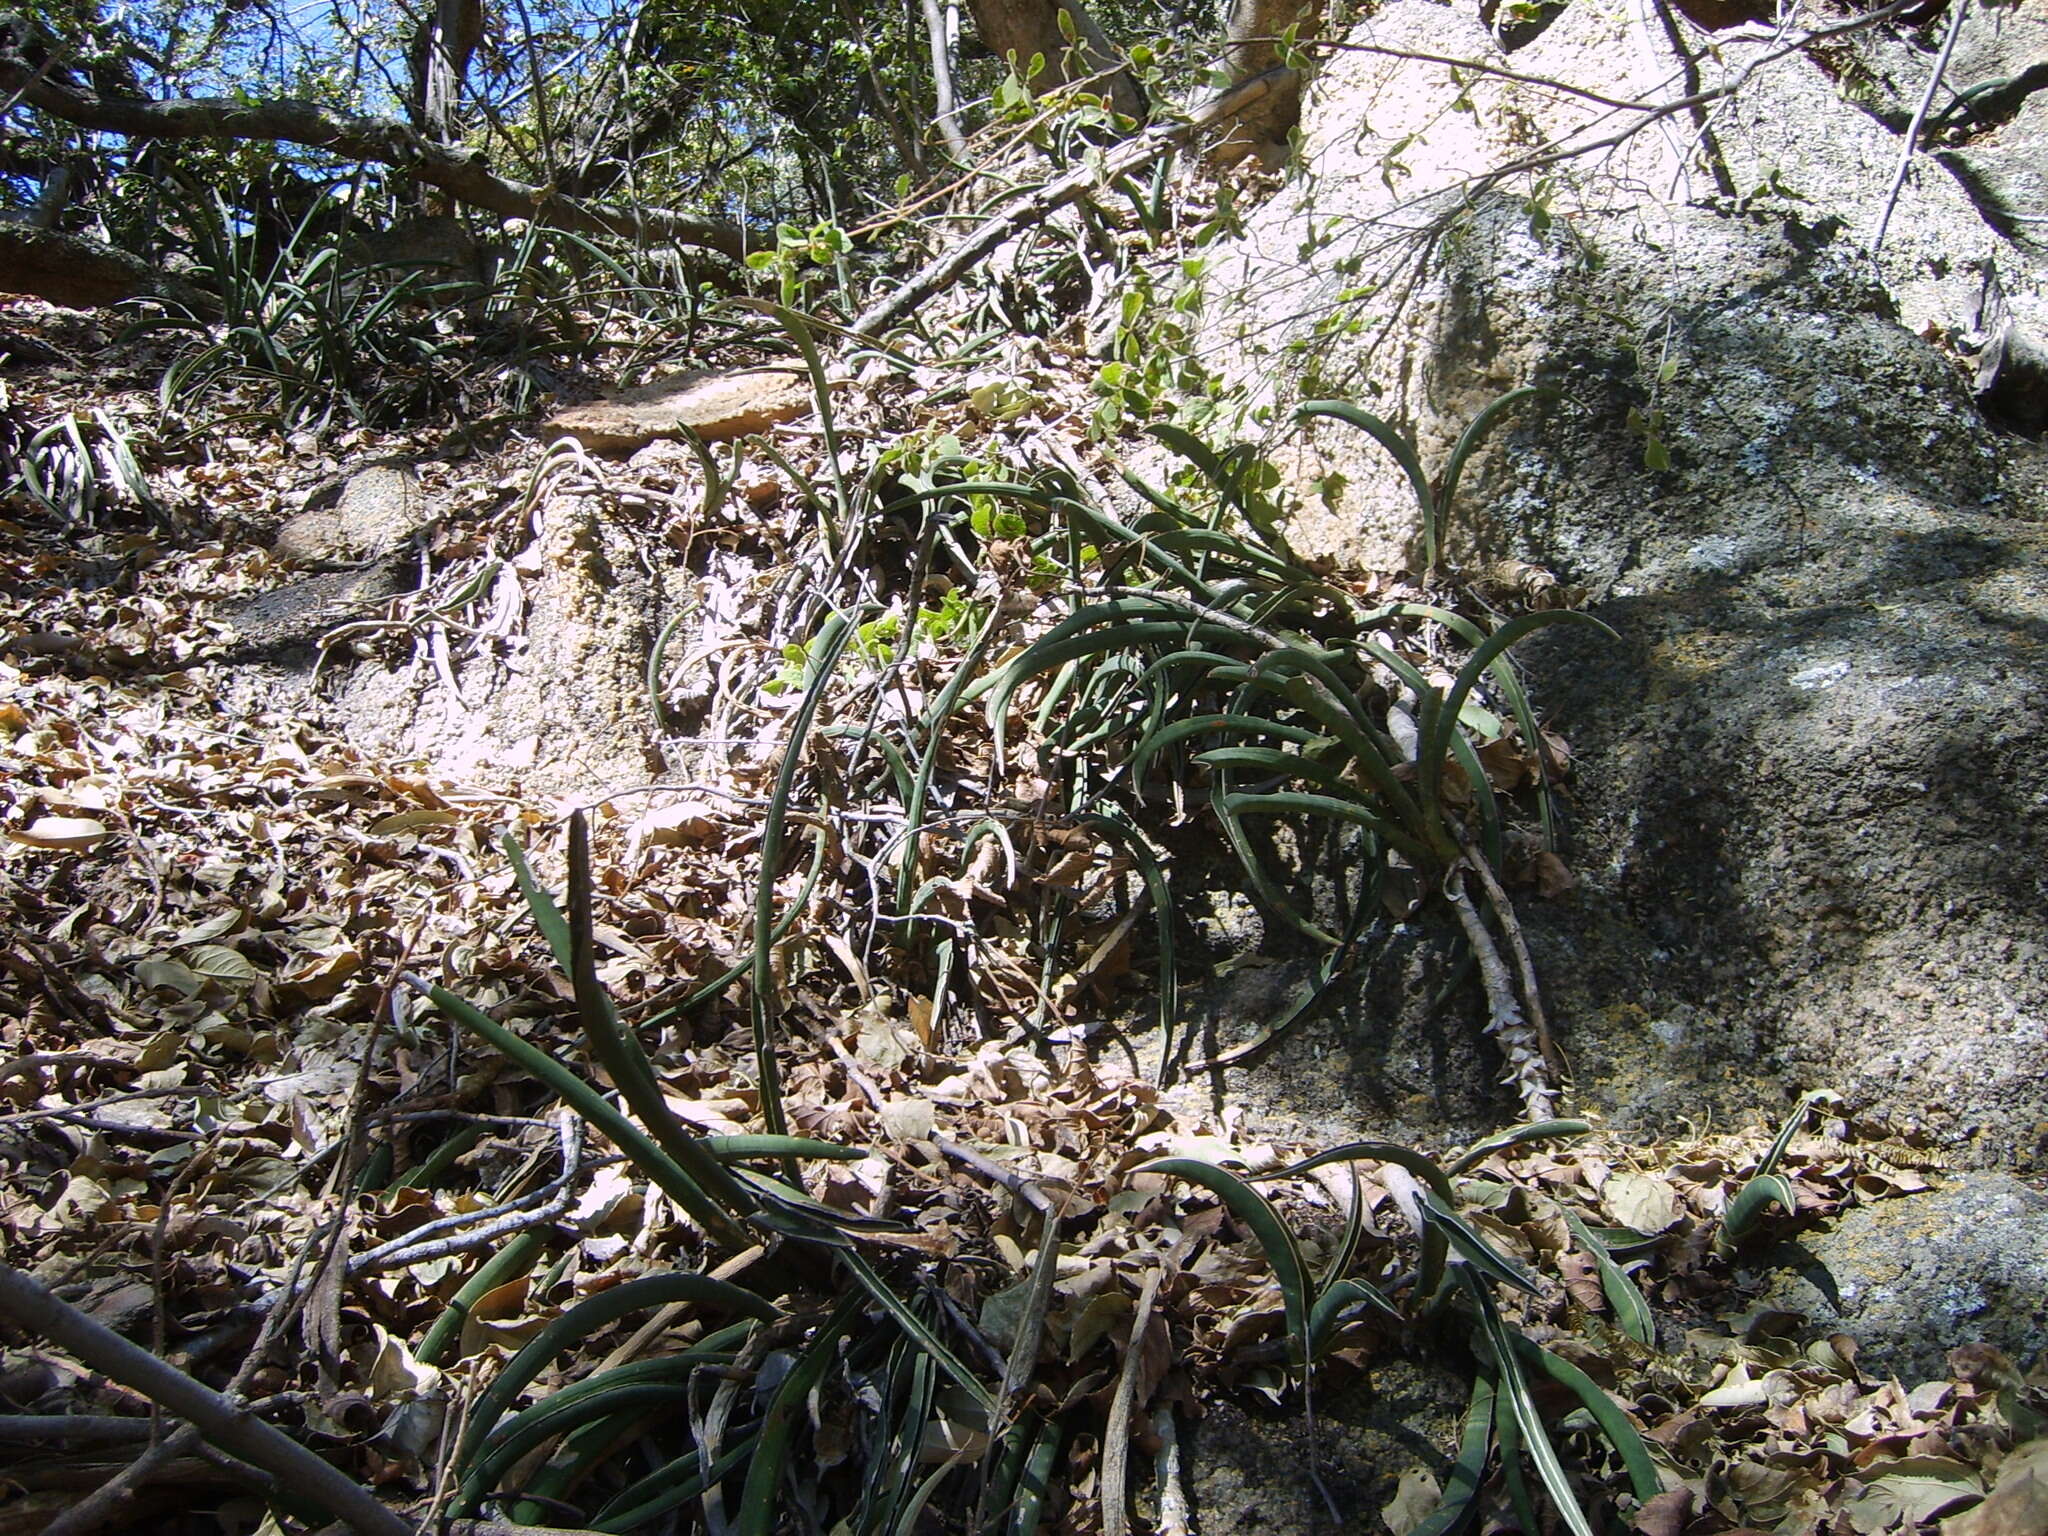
(1615, 1425)
(585, 1318)
(1283, 1254)
(1403, 450)
(1460, 1499)
(1521, 1135)
(1475, 433)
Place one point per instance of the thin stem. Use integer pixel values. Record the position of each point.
(1891, 197)
(29, 1305)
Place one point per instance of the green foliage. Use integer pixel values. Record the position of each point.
(321, 334)
(74, 466)
(1434, 499)
(1208, 647)
(1153, 370)
(1458, 1264)
(797, 255)
(708, 1178)
(1768, 1187)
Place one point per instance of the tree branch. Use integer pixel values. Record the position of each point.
(80, 273)
(945, 269)
(28, 1305)
(460, 173)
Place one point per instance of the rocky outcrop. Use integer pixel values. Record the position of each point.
(556, 704)
(370, 513)
(1807, 820)
(1911, 1280)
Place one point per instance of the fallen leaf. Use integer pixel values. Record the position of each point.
(2018, 1502)
(70, 834)
(1414, 1500)
(216, 962)
(1641, 1202)
(909, 1119)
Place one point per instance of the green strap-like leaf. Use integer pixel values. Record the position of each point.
(585, 1318)
(515, 1258)
(640, 1149)
(1475, 434)
(825, 651)
(1175, 732)
(1034, 1486)
(1460, 1499)
(1616, 1425)
(1515, 1387)
(786, 1410)
(1339, 1299)
(1475, 1249)
(547, 917)
(1519, 1136)
(1271, 762)
(1746, 1210)
(1794, 1123)
(619, 1050)
(1403, 451)
(740, 1149)
(669, 1487)
(1283, 1254)
(915, 1326)
(1631, 1310)
(1435, 742)
(1419, 1164)
(1296, 803)
(1153, 874)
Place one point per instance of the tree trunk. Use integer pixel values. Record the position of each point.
(441, 51)
(80, 273)
(942, 29)
(1028, 27)
(1251, 29)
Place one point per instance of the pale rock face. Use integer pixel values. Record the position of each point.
(1807, 816)
(1391, 248)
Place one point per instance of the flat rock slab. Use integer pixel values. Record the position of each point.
(716, 406)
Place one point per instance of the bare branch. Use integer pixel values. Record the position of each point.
(460, 173)
(945, 269)
(79, 273)
(29, 1305)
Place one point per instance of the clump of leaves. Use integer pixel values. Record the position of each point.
(1451, 1293)
(1434, 497)
(711, 1179)
(1196, 644)
(74, 466)
(1767, 1187)
(322, 333)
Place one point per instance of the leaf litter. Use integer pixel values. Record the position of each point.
(212, 1078)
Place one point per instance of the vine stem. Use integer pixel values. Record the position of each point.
(1891, 198)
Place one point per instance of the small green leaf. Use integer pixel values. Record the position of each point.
(1631, 1311)
(1746, 1210)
